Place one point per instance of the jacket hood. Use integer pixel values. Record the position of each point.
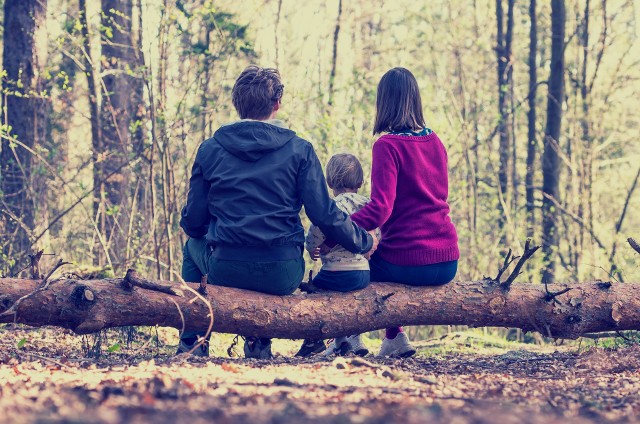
(252, 140)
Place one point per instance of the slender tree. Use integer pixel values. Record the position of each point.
(531, 119)
(24, 117)
(550, 158)
(504, 41)
(120, 121)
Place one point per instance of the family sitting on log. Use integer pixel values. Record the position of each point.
(251, 179)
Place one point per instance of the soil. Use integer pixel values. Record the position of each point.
(45, 377)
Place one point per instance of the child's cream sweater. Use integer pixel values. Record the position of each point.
(340, 259)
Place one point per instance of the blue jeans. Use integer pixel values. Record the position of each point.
(423, 275)
(275, 277)
(342, 281)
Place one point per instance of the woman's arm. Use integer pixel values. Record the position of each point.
(384, 179)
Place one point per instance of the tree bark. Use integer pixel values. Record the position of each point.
(551, 157)
(86, 306)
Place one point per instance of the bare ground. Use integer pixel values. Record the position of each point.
(44, 378)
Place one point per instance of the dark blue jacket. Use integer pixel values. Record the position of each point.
(247, 187)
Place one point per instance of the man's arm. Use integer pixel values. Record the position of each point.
(314, 238)
(195, 214)
(322, 210)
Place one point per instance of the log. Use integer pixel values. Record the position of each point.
(87, 306)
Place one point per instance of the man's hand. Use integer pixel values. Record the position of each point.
(374, 246)
(324, 249)
(315, 254)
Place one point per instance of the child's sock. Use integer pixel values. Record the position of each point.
(391, 333)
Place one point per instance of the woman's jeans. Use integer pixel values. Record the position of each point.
(422, 275)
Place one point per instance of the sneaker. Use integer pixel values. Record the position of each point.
(258, 348)
(311, 347)
(342, 350)
(357, 346)
(399, 347)
(186, 347)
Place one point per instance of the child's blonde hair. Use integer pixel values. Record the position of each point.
(344, 172)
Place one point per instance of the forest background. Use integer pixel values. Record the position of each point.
(103, 112)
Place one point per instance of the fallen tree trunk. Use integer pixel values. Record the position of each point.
(88, 306)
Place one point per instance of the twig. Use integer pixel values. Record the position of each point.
(508, 260)
(34, 262)
(132, 279)
(552, 295)
(203, 286)
(528, 252)
(204, 339)
(634, 244)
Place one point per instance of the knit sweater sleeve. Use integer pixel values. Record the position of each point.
(384, 178)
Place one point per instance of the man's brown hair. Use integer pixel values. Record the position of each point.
(398, 103)
(344, 172)
(256, 91)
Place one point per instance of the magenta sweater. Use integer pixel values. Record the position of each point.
(409, 189)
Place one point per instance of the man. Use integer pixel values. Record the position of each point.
(247, 187)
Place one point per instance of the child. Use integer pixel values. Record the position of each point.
(341, 270)
(409, 189)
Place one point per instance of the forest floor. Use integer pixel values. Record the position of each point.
(46, 376)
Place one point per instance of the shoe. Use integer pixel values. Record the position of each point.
(399, 347)
(185, 346)
(342, 350)
(311, 347)
(353, 345)
(257, 348)
(357, 346)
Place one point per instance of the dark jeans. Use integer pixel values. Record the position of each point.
(342, 281)
(276, 277)
(423, 275)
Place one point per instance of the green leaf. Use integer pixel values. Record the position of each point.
(21, 343)
(114, 348)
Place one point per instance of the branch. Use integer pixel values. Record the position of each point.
(528, 252)
(132, 279)
(634, 244)
(508, 260)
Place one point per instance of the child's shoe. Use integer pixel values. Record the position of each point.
(333, 349)
(186, 345)
(311, 347)
(398, 347)
(357, 346)
(258, 348)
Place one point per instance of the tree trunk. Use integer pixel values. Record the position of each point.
(531, 120)
(551, 158)
(87, 306)
(120, 121)
(25, 111)
(505, 75)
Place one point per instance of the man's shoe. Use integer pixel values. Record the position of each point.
(311, 347)
(258, 348)
(398, 347)
(186, 345)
